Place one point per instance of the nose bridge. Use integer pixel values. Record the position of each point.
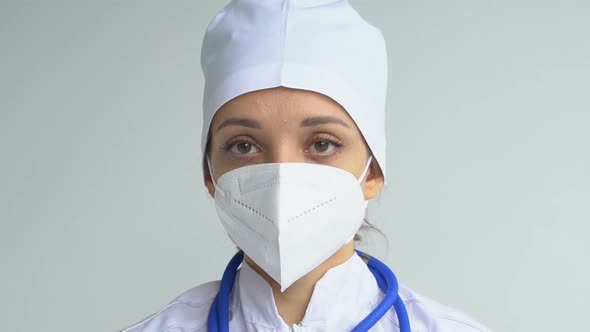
(285, 150)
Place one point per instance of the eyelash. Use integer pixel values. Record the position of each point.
(337, 145)
(229, 144)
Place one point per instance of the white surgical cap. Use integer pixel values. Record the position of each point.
(318, 45)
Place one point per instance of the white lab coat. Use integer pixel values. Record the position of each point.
(341, 298)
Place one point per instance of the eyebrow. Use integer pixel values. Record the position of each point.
(322, 120)
(307, 122)
(239, 122)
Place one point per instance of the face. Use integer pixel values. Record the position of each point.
(280, 125)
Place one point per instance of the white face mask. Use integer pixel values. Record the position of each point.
(290, 217)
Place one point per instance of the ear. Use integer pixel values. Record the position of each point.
(373, 182)
(208, 181)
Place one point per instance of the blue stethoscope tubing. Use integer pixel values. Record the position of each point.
(218, 320)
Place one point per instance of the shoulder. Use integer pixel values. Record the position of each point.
(428, 315)
(187, 312)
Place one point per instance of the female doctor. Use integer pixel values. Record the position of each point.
(293, 145)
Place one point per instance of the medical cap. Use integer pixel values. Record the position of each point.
(319, 45)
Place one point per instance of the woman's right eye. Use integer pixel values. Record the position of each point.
(242, 148)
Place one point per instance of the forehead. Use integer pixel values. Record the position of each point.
(281, 103)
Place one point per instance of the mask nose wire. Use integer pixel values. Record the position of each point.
(362, 177)
(217, 190)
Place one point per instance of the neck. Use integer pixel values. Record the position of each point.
(292, 303)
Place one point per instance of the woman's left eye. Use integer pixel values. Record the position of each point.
(323, 147)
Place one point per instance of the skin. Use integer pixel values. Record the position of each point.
(270, 131)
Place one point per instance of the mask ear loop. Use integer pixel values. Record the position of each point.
(362, 177)
(217, 190)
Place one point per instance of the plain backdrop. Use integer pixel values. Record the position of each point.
(104, 216)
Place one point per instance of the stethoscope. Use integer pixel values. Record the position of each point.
(219, 313)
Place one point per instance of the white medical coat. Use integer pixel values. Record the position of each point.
(341, 299)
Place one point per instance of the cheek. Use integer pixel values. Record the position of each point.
(215, 152)
(218, 162)
(358, 157)
(353, 159)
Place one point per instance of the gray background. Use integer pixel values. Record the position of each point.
(104, 217)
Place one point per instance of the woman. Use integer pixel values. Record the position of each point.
(294, 148)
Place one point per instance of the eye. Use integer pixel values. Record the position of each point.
(324, 146)
(242, 148)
